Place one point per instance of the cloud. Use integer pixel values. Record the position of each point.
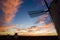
(49, 25)
(10, 8)
(42, 18)
(5, 28)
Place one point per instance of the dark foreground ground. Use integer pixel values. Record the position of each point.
(28, 37)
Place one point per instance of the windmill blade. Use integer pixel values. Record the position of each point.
(36, 13)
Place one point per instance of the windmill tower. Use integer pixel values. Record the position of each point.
(55, 13)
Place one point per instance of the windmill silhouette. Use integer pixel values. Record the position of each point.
(54, 11)
(40, 12)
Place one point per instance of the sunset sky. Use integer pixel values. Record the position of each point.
(18, 13)
(22, 18)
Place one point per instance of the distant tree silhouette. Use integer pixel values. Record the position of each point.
(16, 36)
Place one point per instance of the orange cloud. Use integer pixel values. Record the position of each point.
(1, 22)
(5, 28)
(9, 8)
(49, 25)
(43, 18)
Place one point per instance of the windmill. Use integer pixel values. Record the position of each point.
(40, 12)
(54, 11)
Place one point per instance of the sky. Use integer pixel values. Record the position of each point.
(20, 16)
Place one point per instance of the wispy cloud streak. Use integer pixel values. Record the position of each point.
(9, 8)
